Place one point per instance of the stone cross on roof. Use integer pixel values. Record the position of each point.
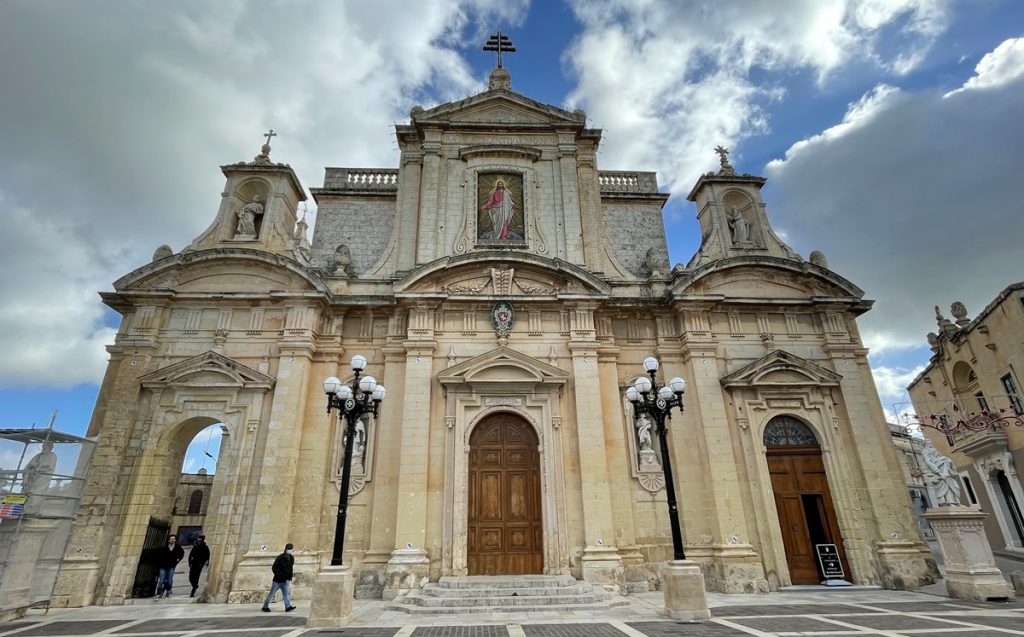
(723, 158)
(264, 156)
(499, 43)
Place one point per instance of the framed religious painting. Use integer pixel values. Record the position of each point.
(501, 211)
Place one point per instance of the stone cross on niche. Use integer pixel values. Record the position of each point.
(499, 43)
(269, 134)
(723, 158)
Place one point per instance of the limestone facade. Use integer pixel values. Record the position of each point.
(970, 405)
(405, 267)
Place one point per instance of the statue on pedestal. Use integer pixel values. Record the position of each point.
(941, 475)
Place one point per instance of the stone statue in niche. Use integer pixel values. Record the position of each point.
(501, 217)
(740, 229)
(246, 228)
(647, 457)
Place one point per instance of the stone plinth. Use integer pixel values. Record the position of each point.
(331, 606)
(407, 569)
(683, 584)
(602, 567)
(971, 571)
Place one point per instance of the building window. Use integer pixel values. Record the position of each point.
(944, 421)
(982, 403)
(1011, 393)
(786, 431)
(968, 488)
(195, 502)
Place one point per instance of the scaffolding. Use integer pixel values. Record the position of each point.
(42, 472)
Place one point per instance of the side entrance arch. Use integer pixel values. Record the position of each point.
(802, 497)
(505, 532)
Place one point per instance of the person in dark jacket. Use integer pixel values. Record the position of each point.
(282, 568)
(197, 559)
(167, 560)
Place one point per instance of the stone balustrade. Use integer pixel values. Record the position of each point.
(361, 179)
(613, 181)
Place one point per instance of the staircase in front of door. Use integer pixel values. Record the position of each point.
(505, 593)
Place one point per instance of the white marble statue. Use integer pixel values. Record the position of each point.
(942, 477)
(39, 469)
(643, 432)
(740, 228)
(247, 218)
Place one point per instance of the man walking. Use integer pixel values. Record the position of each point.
(197, 559)
(167, 561)
(282, 569)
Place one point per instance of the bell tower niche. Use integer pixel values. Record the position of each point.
(258, 209)
(732, 216)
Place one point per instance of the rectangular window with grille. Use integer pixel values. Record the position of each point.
(1011, 393)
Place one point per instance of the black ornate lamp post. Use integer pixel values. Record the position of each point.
(352, 402)
(648, 398)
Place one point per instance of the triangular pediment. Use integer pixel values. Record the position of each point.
(781, 368)
(503, 366)
(500, 107)
(208, 369)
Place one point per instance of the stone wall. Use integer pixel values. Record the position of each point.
(364, 223)
(632, 229)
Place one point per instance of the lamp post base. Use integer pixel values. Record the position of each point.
(331, 606)
(683, 584)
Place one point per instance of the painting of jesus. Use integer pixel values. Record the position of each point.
(501, 217)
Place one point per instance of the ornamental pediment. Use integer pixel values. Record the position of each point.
(503, 366)
(779, 369)
(486, 275)
(499, 107)
(207, 370)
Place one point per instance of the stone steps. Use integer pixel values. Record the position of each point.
(481, 594)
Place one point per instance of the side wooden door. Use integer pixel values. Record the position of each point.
(504, 499)
(806, 514)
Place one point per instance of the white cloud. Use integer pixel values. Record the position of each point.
(116, 117)
(1002, 65)
(909, 198)
(666, 79)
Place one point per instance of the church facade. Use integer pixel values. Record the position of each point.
(505, 291)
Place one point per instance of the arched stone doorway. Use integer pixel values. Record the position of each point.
(802, 497)
(505, 531)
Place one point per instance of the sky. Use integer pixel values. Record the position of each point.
(889, 131)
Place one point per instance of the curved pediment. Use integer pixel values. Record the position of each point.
(222, 271)
(765, 277)
(503, 366)
(207, 370)
(494, 274)
(781, 368)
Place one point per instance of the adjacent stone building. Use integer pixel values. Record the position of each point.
(497, 451)
(970, 404)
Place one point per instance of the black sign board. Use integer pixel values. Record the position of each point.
(828, 558)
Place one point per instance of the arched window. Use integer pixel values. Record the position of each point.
(195, 502)
(787, 431)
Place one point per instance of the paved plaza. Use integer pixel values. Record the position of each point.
(800, 611)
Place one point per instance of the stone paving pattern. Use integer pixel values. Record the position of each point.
(853, 613)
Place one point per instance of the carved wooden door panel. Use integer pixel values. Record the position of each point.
(504, 499)
(806, 515)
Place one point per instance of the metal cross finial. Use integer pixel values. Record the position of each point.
(499, 43)
(269, 134)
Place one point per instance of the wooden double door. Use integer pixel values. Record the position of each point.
(505, 530)
(806, 514)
